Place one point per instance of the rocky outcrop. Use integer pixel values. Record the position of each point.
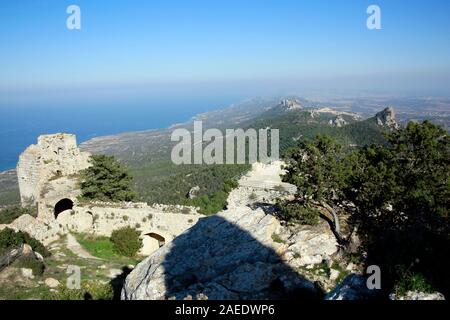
(46, 232)
(243, 252)
(291, 104)
(415, 295)
(227, 256)
(354, 287)
(51, 283)
(11, 255)
(193, 192)
(311, 245)
(338, 122)
(386, 118)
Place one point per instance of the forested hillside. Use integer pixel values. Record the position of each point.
(158, 180)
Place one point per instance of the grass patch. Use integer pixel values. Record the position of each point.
(411, 281)
(15, 291)
(276, 238)
(100, 247)
(342, 272)
(103, 248)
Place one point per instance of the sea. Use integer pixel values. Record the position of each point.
(21, 125)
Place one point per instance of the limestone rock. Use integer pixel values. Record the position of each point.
(350, 267)
(39, 256)
(10, 256)
(227, 256)
(334, 274)
(415, 295)
(27, 273)
(193, 192)
(386, 118)
(353, 287)
(51, 283)
(313, 245)
(291, 104)
(114, 273)
(27, 250)
(45, 232)
(338, 122)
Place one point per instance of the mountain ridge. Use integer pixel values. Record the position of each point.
(147, 152)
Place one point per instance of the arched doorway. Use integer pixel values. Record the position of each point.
(63, 205)
(152, 242)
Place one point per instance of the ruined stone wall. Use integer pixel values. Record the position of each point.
(102, 221)
(54, 156)
(28, 170)
(46, 177)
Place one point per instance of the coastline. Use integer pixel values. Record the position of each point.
(103, 137)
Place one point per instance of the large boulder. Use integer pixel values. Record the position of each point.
(46, 232)
(51, 283)
(227, 256)
(312, 245)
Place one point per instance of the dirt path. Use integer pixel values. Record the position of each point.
(75, 247)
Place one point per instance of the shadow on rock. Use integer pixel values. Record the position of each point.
(118, 282)
(221, 257)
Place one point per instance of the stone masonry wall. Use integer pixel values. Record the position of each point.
(55, 155)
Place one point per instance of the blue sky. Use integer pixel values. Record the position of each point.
(132, 48)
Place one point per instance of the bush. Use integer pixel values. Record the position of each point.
(211, 204)
(126, 241)
(32, 263)
(9, 214)
(90, 290)
(252, 196)
(410, 281)
(276, 238)
(296, 212)
(10, 238)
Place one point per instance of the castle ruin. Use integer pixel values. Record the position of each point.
(48, 177)
(52, 157)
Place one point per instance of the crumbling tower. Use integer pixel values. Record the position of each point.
(54, 156)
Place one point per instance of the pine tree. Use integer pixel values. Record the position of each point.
(106, 180)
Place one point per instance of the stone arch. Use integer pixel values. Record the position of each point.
(151, 242)
(63, 205)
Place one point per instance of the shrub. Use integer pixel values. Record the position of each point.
(276, 238)
(90, 290)
(186, 211)
(279, 188)
(11, 238)
(410, 281)
(32, 263)
(213, 203)
(126, 241)
(296, 212)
